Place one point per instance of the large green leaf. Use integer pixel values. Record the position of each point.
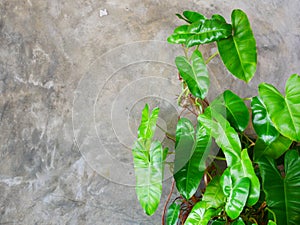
(148, 123)
(149, 167)
(194, 73)
(214, 196)
(243, 169)
(238, 52)
(282, 192)
(233, 108)
(273, 150)
(237, 197)
(284, 111)
(180, 35)
(225, 135)
(261, 121)
(190, 155)
(173, 214)
(209, 31)
(200, 214)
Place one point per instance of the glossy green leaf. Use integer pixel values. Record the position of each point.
(226, 182)
(225, 135)
(218, 17)
(180, 35)
(233, 108)
(218, 222)
(282, 192)
(237, 198)
(239, 221)
(192, 16)
(284, 111)
(148, 123)
(261, 121)
(238, 52)
(190, 155)
(214, 195)
(200, 214)
(273, 150)
(149, 167)
(243, 169)
(194, 73)
(173, 214)
(211, 30)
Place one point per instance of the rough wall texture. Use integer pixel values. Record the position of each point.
(63, 99)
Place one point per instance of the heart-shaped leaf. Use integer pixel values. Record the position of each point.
(233, 108)
(225, 135)
(173, 214)
(284, 111)
(238, 52)
(149, 167)
(194, 73)
(282, 192)
(200, 214)
(214, 196)
(261, 121)
(211, 30)
(243, 169)
(273, 150)
(190, 156)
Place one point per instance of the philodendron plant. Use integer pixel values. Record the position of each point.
(260, 181)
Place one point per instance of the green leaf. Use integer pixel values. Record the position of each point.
(273, 150)
(270, 222)
(211, 30)
(243, 169)
(200, 214)
(192, 16)
(173, 214)
(233, 108)
(282, 192)
(148, 123)
(284, 111)
(237, 198)
(149, 167)
(190, 155)
(180, 35)
(225, 135)
(194, 73)
(239, 221)
(238, 52)
(261, 121)
(218, 17)
(214, 196)
(218, 222)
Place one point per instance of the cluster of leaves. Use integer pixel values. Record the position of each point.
(251, 189)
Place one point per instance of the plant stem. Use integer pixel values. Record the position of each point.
(166, 132)
(181, 94)
(167, 202)
(211, 57)
(217, 158)
(273, 213)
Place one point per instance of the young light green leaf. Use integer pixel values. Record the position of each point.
(190, 155)
(225, 135)
(273, 150)
(233, 108)
(243, 169)
(211, 30)
(194, 73)
(214, 196)
(149, 167)
(238, 52)
(270, 222)
(148, 123)
(284, 111)
(173, 214)
(192, 16)
(282, 193)
(237, 198)
(200, 214)
(262, 123)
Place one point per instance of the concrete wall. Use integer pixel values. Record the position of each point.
(74, 76)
